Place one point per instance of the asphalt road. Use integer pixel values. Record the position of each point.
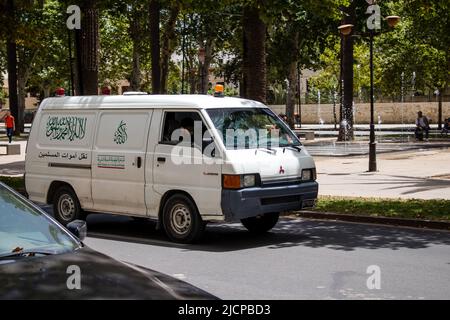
(300, 259)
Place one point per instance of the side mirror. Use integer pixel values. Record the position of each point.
(205, 143)
(78, 228)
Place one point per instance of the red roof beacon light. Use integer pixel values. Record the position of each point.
(60, 92)
(106, 91)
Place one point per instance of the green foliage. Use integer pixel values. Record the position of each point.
(395, 208)
(17, 183)
(420, 44)
(115, 49)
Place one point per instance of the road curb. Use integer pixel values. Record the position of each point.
(413, 223)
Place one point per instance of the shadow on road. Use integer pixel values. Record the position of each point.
(288, 233)
(13, 168)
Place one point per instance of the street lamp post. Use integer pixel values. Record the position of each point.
(373, 25)
(372, 143)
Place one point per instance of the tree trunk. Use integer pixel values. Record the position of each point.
(135, 79)
(78, 84)
(135, 82)
(243, 82)
(12, 68)
(255, 55)
(168, 45)
(291, 94)
(292, 79)
(204, 68)
(346, 125)
(89, 48)
(155, 45)
(22, 93)
(26, 60)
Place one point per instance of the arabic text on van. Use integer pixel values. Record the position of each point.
(66, 128)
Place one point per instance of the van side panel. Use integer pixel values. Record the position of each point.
(118, 168)
(59, 149)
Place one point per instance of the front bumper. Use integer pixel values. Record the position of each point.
(251, 202)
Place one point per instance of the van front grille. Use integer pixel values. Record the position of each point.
(280, 183)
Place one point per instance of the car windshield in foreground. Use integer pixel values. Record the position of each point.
(251, 128)
(26, 232)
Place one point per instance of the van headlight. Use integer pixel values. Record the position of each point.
(309, 174)
(249, 180)
(239, 181)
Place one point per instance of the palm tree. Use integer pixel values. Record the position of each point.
(254, 64)
(89, 48)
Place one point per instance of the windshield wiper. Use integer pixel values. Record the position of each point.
(26, 253)
(292, 146)
(267, 149)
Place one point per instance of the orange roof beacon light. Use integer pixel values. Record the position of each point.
(218, 91)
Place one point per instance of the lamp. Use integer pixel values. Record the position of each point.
(392, 21)
(346, 29)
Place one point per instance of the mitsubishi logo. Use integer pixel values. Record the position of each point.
(281, 170)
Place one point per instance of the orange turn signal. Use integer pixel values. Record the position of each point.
(231, 181)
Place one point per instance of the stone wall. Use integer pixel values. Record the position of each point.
(388, 113)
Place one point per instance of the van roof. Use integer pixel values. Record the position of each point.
(145, 101)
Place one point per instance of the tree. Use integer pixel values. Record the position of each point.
(254, 53)
(155, 19)
(88, 59)
(168, 41)
(427, 26)
(298, 36)
(9, 16)
(116, 47)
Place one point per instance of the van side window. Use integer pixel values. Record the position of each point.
(182, 120)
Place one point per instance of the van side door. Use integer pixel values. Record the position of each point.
(118, 166)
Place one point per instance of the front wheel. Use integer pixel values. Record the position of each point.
(181, 220)
(66, 207)
(262, 223)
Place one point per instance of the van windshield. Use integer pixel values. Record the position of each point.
(250, 128)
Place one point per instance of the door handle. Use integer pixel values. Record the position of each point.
(139, 162)
(161, 159)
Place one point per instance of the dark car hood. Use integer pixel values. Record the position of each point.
(101, 278)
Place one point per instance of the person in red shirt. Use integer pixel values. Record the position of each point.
(10, 125)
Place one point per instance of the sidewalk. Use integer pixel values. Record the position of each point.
(420, 174)
(14, 164)
(407, 175)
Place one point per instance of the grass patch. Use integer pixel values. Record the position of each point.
(394, 208)
(17, 183)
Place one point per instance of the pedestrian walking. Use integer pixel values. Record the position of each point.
(10, 125)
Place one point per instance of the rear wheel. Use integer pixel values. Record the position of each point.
(262, 223)
(66, 207)
(181, 220)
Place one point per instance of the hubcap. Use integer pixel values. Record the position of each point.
(180, 219)
(66, 207)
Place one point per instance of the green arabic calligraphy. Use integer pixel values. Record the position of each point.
(120, 136)
(66, 128)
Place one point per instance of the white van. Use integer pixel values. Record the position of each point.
(183, 160)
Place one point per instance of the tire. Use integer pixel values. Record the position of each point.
(66, 207)
(181, 220)
(261, 224)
